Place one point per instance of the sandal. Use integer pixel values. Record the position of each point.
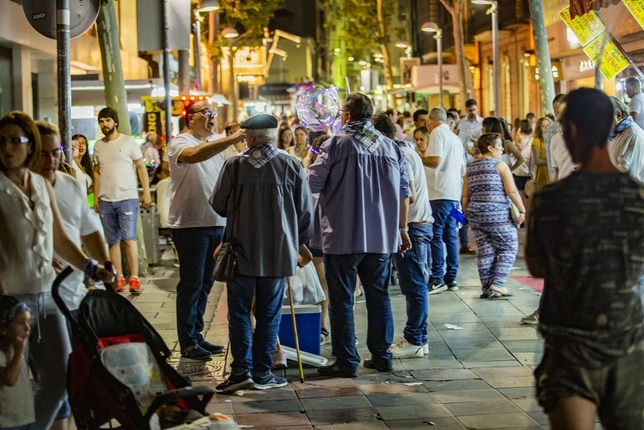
(503, 291)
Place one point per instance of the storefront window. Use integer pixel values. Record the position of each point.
(6, 94)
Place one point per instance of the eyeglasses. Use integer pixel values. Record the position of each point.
(55, 153)
(14, 140)
(207, 113)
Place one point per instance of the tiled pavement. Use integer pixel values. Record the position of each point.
(479, 377)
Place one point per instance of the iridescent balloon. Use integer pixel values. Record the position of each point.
(317, 108)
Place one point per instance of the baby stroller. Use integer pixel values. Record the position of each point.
(118, 368)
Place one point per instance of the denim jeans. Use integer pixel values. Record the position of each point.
(374, 271)
(444, 234)
(462, 236)
(47, 350)
(414, 277)
(195, 247)
(250, 351)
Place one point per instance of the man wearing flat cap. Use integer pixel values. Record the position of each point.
(195, 162)
(265, 196)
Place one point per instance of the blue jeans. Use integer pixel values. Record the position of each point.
(444, 234)
(195, 247)
(119, 219)
(31, 426)
(374, 271)
(462, 236)
(414, 277)
(254, 352)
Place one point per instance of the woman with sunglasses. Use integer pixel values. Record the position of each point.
(28, 205)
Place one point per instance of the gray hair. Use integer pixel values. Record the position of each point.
(265, 135)
(619, 106)
(438, 114)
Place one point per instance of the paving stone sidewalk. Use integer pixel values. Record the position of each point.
(478, 376)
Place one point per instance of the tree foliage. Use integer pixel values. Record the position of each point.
(249, 18)
(360, 18)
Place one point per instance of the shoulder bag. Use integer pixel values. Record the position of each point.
(226, 265)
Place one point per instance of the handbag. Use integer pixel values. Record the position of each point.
(226, 265)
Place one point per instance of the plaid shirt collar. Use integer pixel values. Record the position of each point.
(259, 155)
(364, 131)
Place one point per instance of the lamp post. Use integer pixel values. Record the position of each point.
(494, 11)
(432, 27)
(205, 6)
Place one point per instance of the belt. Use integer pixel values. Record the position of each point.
(416, 224)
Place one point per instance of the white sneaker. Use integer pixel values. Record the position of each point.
(425, 348)
(404, 349)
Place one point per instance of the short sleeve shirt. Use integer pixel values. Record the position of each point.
(191, 187)
(115, 161)
(561, 158)
(637, 105)
(589, 229)
(17, 402)
(420, 210)
(445, 181)
(79, 220)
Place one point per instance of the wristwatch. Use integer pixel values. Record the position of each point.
(403, 229)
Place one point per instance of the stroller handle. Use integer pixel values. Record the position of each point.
(56, 293)
(180, 393)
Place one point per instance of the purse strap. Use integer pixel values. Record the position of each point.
(234, 196)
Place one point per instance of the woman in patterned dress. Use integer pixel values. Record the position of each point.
(488, 191)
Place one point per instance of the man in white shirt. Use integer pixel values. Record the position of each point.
(420, 119)
(560, 156)
(636, 106)
(195, 163)
(626, 145)
(412, 264)
(472, 124)
(117, 193)
(444, 157)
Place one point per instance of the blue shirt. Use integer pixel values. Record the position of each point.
(360, 186)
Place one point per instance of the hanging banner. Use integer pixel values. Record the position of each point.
(582, 7)
(607, 56)
(636, 8)
(586, 27)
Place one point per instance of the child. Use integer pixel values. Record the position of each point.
(16, 394)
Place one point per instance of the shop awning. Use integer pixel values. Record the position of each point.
(580, 7)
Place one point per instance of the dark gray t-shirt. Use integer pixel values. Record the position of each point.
(590, 230)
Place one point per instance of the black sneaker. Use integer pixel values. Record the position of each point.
(436, 287)
(452, 286)
(381, 367)
(236, 383)
(335, 371)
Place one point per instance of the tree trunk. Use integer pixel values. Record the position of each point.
(382, 33)
(456, 11)
(108, 41)
(546, 82)
(184, 71)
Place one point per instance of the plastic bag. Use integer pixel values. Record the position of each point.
(306, 287)
(313, 292)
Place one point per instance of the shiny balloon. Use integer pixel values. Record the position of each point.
(317, 108)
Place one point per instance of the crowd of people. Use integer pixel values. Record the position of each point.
(379, 195)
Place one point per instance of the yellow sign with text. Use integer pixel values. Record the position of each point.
(585, 27)
(636, 8)
(607, 56)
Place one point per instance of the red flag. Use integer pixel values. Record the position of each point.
(580, 7)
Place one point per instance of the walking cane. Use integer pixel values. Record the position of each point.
(297, 340)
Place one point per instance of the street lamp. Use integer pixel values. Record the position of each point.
(229, 33)
(205, 6)
(494, 11)
(432, 27)
(208, 6)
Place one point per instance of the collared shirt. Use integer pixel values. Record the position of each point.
(550, 132)
(272, 212)
(561, 159)
(360, 191)
(26, 237)
(420, 210)
(259, 155)
(473, 128)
